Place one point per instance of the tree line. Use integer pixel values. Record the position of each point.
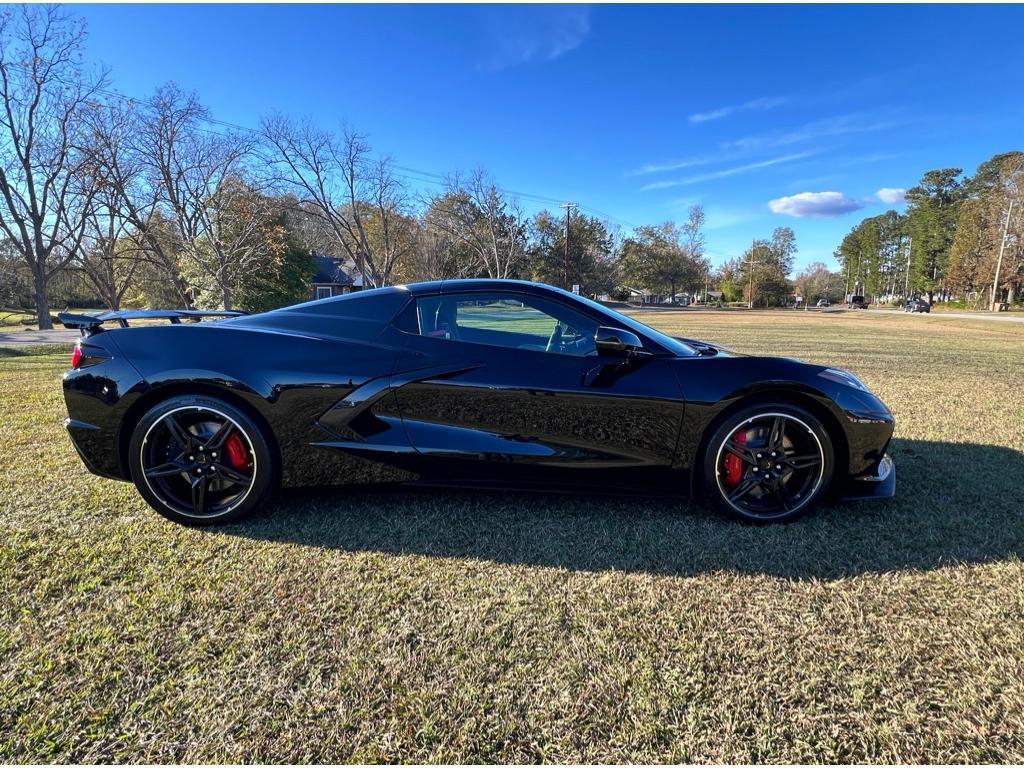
(957, 232)
(115, 201)
(760, 276)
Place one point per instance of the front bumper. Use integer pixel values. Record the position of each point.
(879, 483)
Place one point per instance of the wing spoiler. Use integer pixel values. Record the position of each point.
(89, 324)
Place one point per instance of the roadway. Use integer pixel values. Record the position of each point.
(26, 337)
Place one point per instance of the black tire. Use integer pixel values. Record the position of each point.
(747, 481)
(198, 460)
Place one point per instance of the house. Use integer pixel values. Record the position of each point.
(333, 277)
(682, 298)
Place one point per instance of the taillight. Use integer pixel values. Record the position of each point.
(84, 355)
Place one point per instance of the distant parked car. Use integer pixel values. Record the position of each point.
(824, 303)
(858, 302)
(678, 301)
(918, 305)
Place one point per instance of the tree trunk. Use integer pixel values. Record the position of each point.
(225, 293)
(42, 300)
(113, 298)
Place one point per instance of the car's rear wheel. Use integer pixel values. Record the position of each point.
(768, 463)
(200, 461)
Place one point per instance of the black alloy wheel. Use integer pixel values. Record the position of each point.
(200, 461)
(769, 463)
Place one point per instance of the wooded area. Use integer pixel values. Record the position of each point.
(948, 244)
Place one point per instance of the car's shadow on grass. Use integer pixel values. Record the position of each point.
(955, 503)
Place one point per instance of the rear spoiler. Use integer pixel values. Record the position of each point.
(89, 324)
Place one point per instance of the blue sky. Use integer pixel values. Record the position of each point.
(767, 116)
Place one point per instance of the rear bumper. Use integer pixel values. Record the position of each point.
(97, 399)
(92, 446)
(879, 483)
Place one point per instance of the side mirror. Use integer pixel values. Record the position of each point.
(615, 341)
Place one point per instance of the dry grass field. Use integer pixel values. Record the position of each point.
(415, 626)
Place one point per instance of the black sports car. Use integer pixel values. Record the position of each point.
(493, 383)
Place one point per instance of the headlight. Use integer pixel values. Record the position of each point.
(840, 376)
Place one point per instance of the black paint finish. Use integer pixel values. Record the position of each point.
(353, 393)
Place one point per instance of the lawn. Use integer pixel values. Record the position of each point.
(12, 320)
(387, 626)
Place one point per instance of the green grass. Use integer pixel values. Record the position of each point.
(10, 321)
(388, 626)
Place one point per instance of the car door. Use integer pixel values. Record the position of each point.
(501, 385)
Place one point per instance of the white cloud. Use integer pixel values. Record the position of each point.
(725, 172)
(821, 204)
(674, 165)
(747, 146)
(765, 102)
(891, 195)
(833, 126)
(516, 35)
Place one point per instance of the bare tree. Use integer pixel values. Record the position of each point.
(239, 235)
(44, 97)
(196, 172)
(438, 255)
(132, 191)
(358, 199)
(386, 223)
(109, 256)
(476, 213)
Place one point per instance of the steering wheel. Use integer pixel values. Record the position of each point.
(555, 340)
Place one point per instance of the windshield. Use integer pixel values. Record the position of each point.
(672, 345)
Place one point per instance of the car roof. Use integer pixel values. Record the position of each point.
(458, 285)
(427, 288)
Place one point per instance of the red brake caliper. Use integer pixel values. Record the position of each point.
(238, 456)
(733, 463)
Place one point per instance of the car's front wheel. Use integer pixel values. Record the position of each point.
(768, 463)
(198, 460)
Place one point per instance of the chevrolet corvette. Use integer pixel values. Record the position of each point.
(483, 383)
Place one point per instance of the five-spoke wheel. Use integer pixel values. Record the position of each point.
(768, 463)
(199, 460)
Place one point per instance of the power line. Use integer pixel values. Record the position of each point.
(421, 176)
(429, 177)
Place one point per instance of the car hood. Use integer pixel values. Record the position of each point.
(712, 349)
(708, 348)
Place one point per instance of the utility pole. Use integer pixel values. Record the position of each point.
(569, 207)
(750, 267)
(999, 261)
(906, 276)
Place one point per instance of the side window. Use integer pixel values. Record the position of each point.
(507, 320)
